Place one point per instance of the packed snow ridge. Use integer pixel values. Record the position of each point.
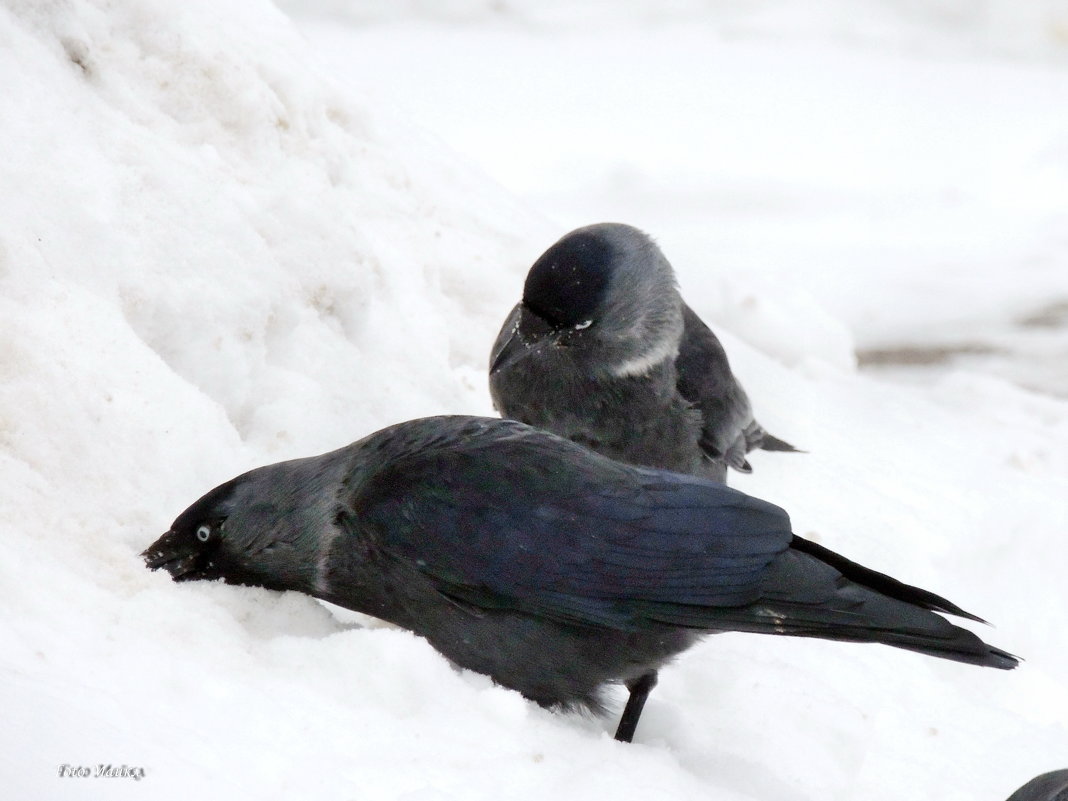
(214, 254)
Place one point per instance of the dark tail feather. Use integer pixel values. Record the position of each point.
(771, 443)
(860, 618)
(880, 582)
(859, 614)
(809, 591)
(948, 642)
(984, 655)
(901, 624)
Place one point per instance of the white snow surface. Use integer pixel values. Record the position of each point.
(218, 251)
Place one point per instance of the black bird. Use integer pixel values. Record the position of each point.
(533, 560)
(602, 350)
(1052, 786)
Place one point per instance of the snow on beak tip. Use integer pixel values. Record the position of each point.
(164, 554)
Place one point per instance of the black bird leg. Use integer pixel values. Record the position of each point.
(639, 691)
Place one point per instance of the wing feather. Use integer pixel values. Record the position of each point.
(539, 524)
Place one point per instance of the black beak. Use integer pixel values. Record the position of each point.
(530, 334)
(173, 555)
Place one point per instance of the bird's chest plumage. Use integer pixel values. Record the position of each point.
(637, 419)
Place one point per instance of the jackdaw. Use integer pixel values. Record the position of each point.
(1052, 786)
(603, 350)
(533, 560)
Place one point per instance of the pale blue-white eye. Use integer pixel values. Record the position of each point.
(204, 533)
(583, 324)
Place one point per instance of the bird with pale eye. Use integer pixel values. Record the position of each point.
(548, 567)
(649, 384)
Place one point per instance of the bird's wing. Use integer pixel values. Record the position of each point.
(705, 380)
(503, 516)
(535, 523)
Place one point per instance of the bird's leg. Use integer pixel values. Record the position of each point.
(639, 691)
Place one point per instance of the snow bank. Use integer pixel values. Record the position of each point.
(1029, 29)
(811, 194)
(212, 256)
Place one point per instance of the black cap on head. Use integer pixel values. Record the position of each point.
(568, 283)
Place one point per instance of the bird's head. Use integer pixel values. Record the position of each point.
(264, 528)
(197, 544)
(603, 296)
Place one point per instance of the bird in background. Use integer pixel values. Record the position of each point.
(602, 350)
(550, 568)
(1052, 786)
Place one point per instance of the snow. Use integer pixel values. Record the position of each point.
(224, 243)
(786, 178)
